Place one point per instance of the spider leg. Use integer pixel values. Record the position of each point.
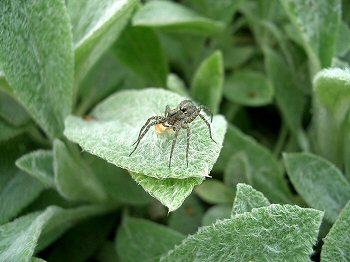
(208, 111)
(176, 129)
(143, 134)
(145, 125)
(188, 140)
(208, 125)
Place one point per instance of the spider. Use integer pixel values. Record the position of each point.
(176, 119)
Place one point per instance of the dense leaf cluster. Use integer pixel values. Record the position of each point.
(78, 80)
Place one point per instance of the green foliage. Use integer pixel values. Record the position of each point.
(78, 81)
(255, 235)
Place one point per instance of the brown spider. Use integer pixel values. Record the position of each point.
(176, 119)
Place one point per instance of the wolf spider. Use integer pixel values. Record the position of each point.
(177, 118)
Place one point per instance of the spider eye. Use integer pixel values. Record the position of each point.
(184, 110)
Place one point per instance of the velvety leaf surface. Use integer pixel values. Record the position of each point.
(248, 88)
(117, 122)
(40, 78)
(96, 25)
(317, 22)
(139, 49)
(246, 199)
(207, 82)
(217, 212)
(144, 241)
(319, 182)
(215, 192)
(264, 234)
(266, 173)
(19, 238)
(331, 106)
(171, 192)
(173, 16)
(38, 164)
(11, 111)
(237, 170)
(73, 178)
(336, 245)
(188, 217)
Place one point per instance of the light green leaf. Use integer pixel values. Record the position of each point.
(11, 111)
(336, 245)
(96, 25)
(19, 238)
(317, 22)
(207, 82)
(319, 182)
(237, 56)
(331, 106)
(265, 234)
(290, 100)
(17, 190)
(215, 192)
(118, 120)
(175, 84)
(174, 17)
(188, 217)
(144, 241)
(171, 192)
(38, 164)
(343, 40)
(237, 170)
(246, 199)
(218, 212)
(248, 88)
(3, 83)
(35, 259)
(81, 242)
(7, 131)
(73, 178)
(118, 183)
(267, 176)
(42, 79)
(139, 49)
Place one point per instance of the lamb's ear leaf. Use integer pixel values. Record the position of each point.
(38, 64)
(336, 245)
(96, 24)
(175, 17)
(115, 126)
(254, 236)
(319, 182)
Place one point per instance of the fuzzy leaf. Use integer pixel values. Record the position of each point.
(188, 217)
(331, 106)
(336, 245)
(139, 49)
(74, 179)
(176, 85)
(171, 192)
(248, 88)
(317, 22)
(207, 82)
(265, 234)
(7, 131)
(246, 199)
(118, 120)
(42, 79)
(144, 241)
(265, 171)
(175, 17)
(38, 164)
(19, 238)
(237, 170)
(96, 24)
(319, 182)
(217, 212)
(215, 192)
(11, 111)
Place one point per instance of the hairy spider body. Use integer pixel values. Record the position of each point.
(175, 119)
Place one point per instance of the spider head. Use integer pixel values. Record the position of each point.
(187, 107)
